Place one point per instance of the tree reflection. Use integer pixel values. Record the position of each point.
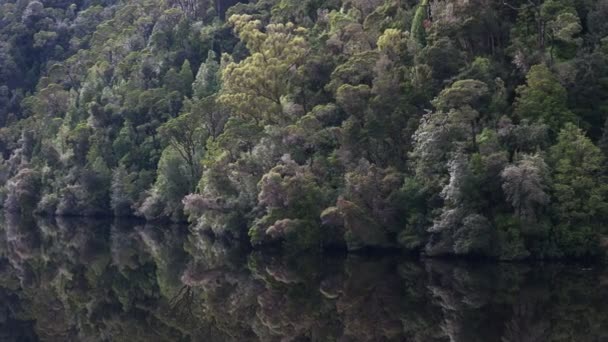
(76, 279)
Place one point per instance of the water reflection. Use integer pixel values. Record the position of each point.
(87, 280)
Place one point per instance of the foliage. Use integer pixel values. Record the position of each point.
(543, 99)
(580, 191)
(441, 127)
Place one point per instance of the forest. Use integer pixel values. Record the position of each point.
(438, 127)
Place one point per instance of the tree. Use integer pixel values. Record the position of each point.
(208, 78)
(474, 237)
(525, 185)
(23, 192)
(78, 140)
(205, 92)
(454, 124)
(543, 99)
(394, 43)
(541, 24)
(418, 29)
(173, 182)
(185, 134)
(256, 86)
(564, 32)
(444, 58)
(186, 78)
(598, 27)
(562, 28)
(525, 137)
(121, 191)
(580, 190)
(293, 201)
(125, 141)
(51, 101)
(459, 229)
(347, 36)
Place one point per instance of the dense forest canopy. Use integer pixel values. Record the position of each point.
(468, 127)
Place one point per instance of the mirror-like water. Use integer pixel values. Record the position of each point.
(83, 280)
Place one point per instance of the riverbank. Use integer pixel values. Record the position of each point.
(79, 279)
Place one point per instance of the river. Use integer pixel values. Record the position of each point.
(95, 280)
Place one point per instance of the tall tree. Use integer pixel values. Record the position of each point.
(256, 86)
(187, 136)
(580, 190)
(525, 186)
(455, 124)
(543, 99)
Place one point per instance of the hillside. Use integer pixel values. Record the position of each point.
(449, 127)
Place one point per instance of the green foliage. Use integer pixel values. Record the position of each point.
(418, 29)
(256, 87)
(412, 200)
(580, 191)
(293, 202)
(186, 136)
(207, 80)
(173, 182)
(543, 99)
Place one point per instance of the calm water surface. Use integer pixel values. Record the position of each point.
(84, 280)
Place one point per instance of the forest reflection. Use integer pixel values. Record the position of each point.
(94, 280)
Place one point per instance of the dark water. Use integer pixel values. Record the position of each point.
(83, 280)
